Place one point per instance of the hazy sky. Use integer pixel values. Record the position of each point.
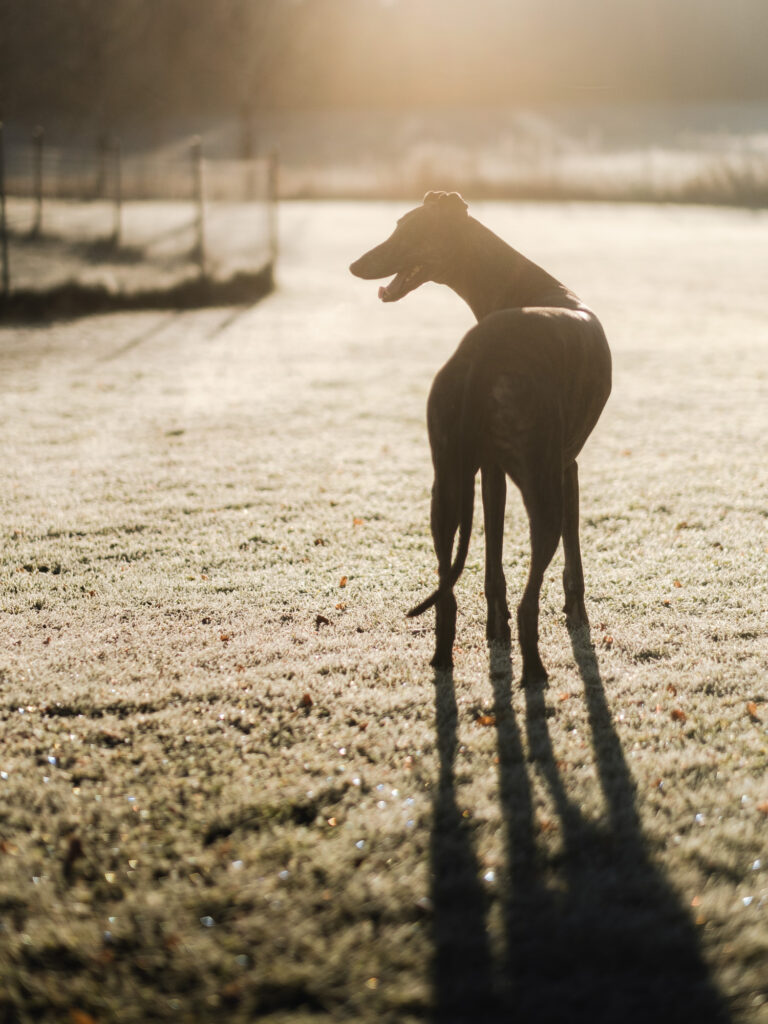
(497, 50)
(107, 61)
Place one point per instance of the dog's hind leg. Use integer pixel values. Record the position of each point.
(445, 521)
(494, 483)
(543, 498)
(573, 574)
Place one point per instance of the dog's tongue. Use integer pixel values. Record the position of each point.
(391, 292)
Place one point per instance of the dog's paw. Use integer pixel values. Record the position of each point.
(575, 614)
(442, 662)
(499, 633)
(534, 676)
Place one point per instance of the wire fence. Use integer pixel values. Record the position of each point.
(130, 223)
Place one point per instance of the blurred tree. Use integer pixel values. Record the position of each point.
(104, 64)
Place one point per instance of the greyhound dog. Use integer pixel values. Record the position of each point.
(518, 398)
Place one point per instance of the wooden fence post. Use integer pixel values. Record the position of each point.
(199, 199)
(102, 166)
(6, 269)
(117, 159)
(274, 162)
(38, 144)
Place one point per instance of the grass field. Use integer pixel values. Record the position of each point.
(230, 786)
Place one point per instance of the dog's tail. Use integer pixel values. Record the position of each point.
(467, 500)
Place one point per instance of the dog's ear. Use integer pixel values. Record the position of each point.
(450, 202)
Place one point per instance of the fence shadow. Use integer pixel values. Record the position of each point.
(596, 934)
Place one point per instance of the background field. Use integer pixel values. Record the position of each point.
(230, 787)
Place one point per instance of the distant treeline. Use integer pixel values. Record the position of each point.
(106, 64)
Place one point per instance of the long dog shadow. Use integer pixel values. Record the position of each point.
(463, 964)
(594, 934)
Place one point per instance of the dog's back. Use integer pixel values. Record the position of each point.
(520, 374)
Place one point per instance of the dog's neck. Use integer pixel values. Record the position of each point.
(490, 275)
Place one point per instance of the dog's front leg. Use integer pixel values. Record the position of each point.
(494, 483)
(573, 574)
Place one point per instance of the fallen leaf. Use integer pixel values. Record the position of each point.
(225, 637)
(564, 696)
(678, 715)
(232, 991)
(607, 641)
(341, 606)
(357, 521)
(752, 711)
(343, 581)
(486, 719)
(671, 688)
(677, 584)
(81, 1017)
(666, 602)
(306, 701)
(763, 807)
(320, 620)
(319, 542)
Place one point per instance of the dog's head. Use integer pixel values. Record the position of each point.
(419, 248)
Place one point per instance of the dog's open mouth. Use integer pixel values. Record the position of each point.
(403, 282)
